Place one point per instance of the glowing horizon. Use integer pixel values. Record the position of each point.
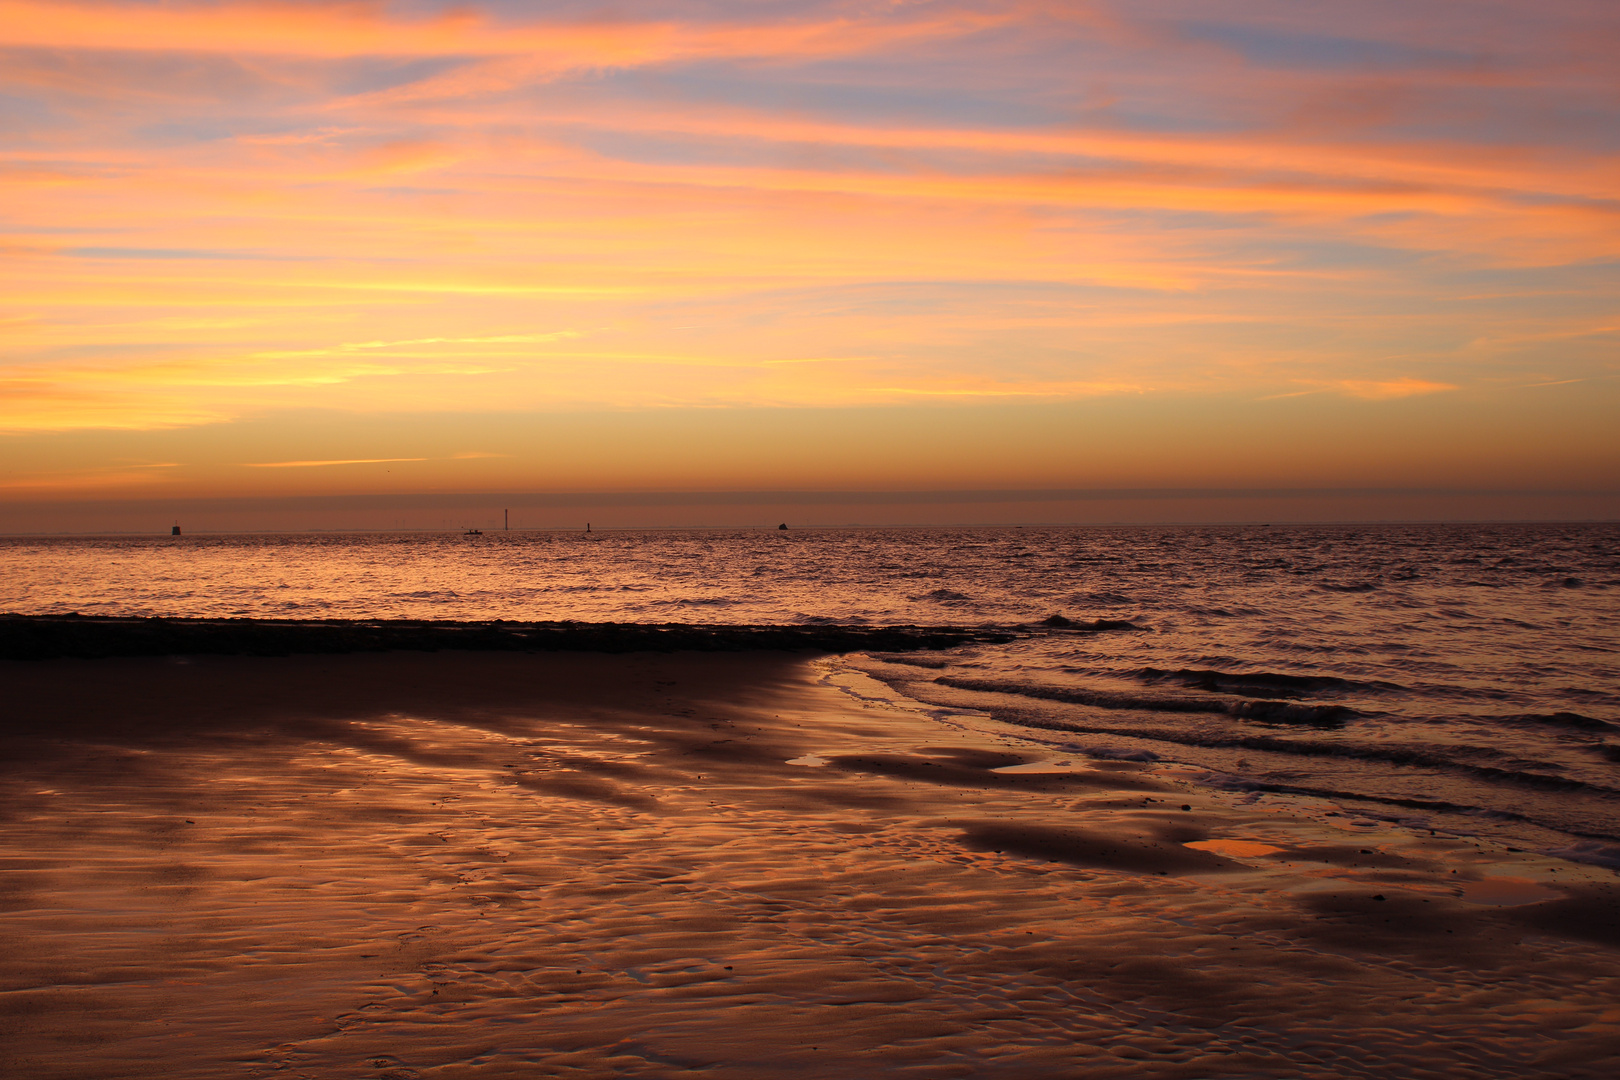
(273, 248)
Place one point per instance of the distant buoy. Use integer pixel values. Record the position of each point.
(782, 526)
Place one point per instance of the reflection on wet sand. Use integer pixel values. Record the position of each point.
(470, 865)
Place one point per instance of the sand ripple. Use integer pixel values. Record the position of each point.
(473, 865)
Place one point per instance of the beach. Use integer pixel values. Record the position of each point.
(744, 864)
(719, 540)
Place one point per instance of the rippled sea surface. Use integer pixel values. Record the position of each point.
(1457, 677)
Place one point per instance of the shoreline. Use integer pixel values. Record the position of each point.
(729, 865)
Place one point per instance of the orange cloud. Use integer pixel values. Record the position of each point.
(221, 213)
(353, 29)
(1379, 389)
(320, 464)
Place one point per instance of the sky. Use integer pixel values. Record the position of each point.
(281, 265)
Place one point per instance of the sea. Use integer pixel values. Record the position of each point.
(1463, 678)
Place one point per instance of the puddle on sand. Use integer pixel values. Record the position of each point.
(1046, 767)
(1508, 892)
(812, 760)
(1236, 848)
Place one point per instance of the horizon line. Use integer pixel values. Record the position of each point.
(1206, 523)
(811, 497)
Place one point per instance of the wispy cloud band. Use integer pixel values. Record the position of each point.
(213, 211)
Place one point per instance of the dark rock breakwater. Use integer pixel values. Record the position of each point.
(44, 637)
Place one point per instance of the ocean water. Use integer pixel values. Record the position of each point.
(1460, 678)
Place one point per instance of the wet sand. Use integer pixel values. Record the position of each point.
(678, 865)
